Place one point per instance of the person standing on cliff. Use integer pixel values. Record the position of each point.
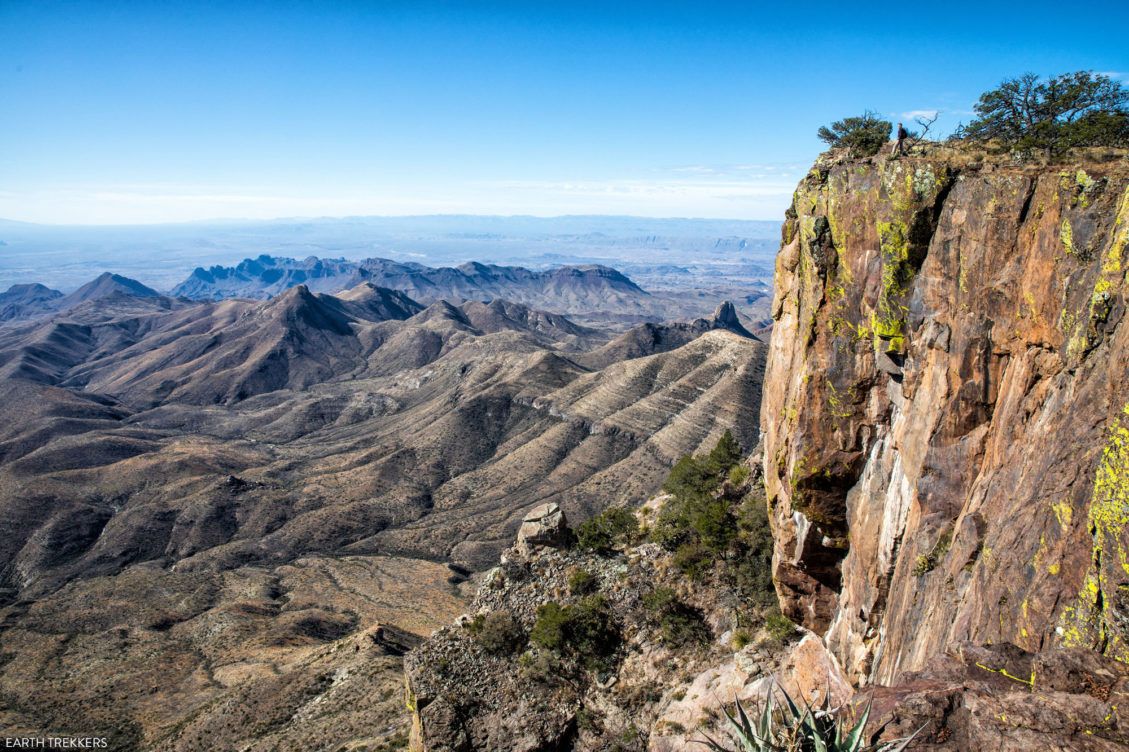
(899, 145)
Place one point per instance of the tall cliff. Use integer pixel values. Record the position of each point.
(946, 409)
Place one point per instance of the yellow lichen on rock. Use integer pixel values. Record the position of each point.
(1066, 236)
(1085, 623)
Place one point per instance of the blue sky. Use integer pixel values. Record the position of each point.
(120, 112)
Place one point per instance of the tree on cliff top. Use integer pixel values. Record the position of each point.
(864, 135)
(1031, 114)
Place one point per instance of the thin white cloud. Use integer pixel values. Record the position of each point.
(704, 195)
(926, 114)
(747, 191)
(178, 198)
(695, 170)
(642, 188)
(733, 169)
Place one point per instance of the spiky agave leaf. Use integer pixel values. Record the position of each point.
(792, 709)
(764, 728)
(743, 729)
(814, 735)
(709, 743)
(758, 738)
(815, 729)
(852, 742)
(746, 728)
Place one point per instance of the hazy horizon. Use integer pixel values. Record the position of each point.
(354, 217)
(161, 255)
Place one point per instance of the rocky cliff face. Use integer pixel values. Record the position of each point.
(946, 409)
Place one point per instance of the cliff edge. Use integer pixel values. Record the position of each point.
(946, 410)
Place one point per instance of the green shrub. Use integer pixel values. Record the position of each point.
(863, 136)
(708, 533)
(702, 474)
(613, 527)
(670, 529)
(750, 567)
(540, 666)
(926, 563)
(582, 582)
(549, 629)
(695, 518)
(583, 630)
(498, 632)
(725, 454)
(738, 475)
(693, 513)
(680, 623)
(779, 627)
(630, 740)
(713, 523)
(587, 720)
(689, 476)
(693, 560)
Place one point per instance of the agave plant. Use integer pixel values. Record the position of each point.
(787, 728)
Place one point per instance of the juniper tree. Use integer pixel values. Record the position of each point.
(1029, 113)
(863, 136)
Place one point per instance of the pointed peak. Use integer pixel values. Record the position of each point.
(108, 283)
(726, 314)
(725, 317)
(298, 295)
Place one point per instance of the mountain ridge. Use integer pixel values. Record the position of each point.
(257, 489)
(566, 289)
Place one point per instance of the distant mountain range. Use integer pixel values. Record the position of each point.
(564, 289)
(591, 294)
(462, 388)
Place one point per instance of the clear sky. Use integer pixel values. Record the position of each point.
(117, 112)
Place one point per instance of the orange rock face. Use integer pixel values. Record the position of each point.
(946, 409)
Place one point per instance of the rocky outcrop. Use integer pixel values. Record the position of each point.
(1007, 699)
(654, 681)
(543, 526)
(945, 410)
(725, 317)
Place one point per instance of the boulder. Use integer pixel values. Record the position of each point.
(388, 639)
(544, 526)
